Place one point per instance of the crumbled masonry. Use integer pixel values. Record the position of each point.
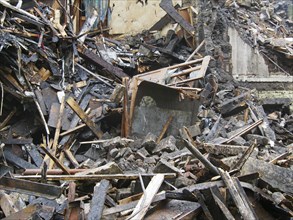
(166, 123)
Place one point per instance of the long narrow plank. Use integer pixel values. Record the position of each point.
(60, 165)
(244, 131)
(30, 188)
(147, 198)
(195, 51)
(17, 160)
(95, 177)
(166, 126)
(59, 123)
(244, 157)
(199, 155)
(76, 108)
(125, 117)
(239, 200)
(57, 131)
(97, 204)
(132, 102)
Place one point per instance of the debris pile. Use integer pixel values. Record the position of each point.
(266, 26)
(138, 127)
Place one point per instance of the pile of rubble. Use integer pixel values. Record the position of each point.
(139, 127)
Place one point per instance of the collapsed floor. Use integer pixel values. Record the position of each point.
(139, 127)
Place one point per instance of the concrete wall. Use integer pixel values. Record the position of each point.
(245, 60)
(249, 65)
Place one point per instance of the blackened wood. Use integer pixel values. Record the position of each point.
(218, 198)
(167, 6)
(12, 158)
(95, 59)
(35, 154)
(99, 197)
(237, 196)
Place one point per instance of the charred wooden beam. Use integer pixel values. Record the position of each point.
(167, 6)
(30, 188)
(12, 158)
(95, 59)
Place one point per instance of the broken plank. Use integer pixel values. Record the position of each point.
(60, 165)
(220, 202)
(77, 109)
(163, 21)
(70, 211)
(99, 197)
(199, 155)
(244, 196)
(147, 198)
(72, 130)
(19, 10)
(167, 6)
(41, 101)
(95, 75)
(95, 59)
(17, 160)
(125, 117)
(280, 157)
(195, 51)
(239, 200)
(57, 131)
(72, 159)
(120, 208)
(7, 119)
(58, 126)
(135, 82)
(244, 131)
(244, 157)
(30, 188)
(165, 128)
(87, 26)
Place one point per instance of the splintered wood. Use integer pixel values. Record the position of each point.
(147, 126)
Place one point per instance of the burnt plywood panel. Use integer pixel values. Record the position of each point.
(155, 104)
